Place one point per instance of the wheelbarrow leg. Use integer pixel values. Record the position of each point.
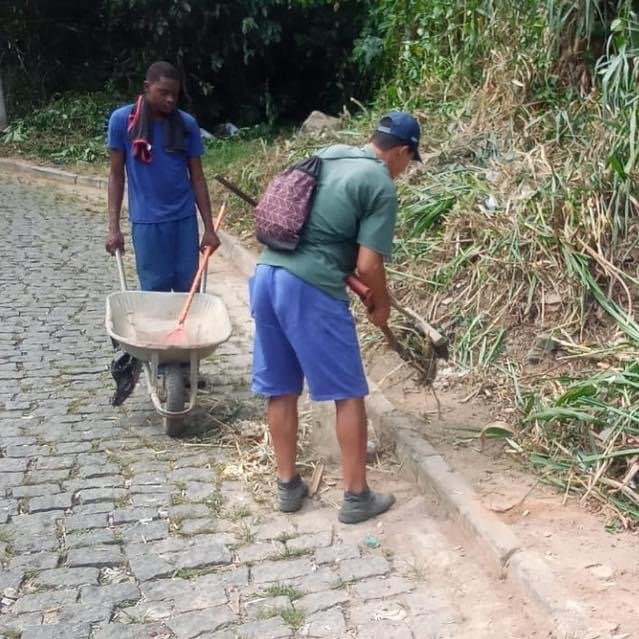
(175, 396)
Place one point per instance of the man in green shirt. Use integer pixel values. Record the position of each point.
(303, 325)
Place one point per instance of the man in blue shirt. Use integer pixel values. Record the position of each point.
(159, 147)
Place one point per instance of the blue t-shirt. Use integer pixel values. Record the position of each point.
(160, 191)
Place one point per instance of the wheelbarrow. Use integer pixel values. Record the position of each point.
(140, 320)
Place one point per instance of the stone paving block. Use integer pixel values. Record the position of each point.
(162, 547)
(52, 502)
(194, 624)
(34, 561)
(149, 566)
(95, 557)
(8, 507)
(20, 440)
(353, 569)
(324, 578)
(35, 490)
(233, 578)
(336, 553)
(94, 483)
(318, 601)
(266, 607)
(144, 533)
(32, 541)
(378, 588)
(188, 511)
(140, 465)
(115, 594)
(47, 476)
(151, 478)
(14, 624)
(199, 600)
(95, 460)
(25, 451)
(279, 529)
(270, 571)
(84, 522)
(185, 474)
(92, 495)
(259, 552)
(57, 631)
(145, 612)
(133, 631)
(199, 491)
(65, 577)
(328, 623)
(82, 613)
(54, 463)
(274, 628)
(9, 480)
(10, 580)
(192, 461)
(98, 508)
(95, 471)
(198, 526)
(201, 557)
(12, 465)
(44, 601)
(90, 538)
(166, 588)
(311, 542)
(72, 448)
(149, 489)
(133, 515)
(155, 500)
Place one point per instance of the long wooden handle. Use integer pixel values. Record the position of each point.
(438, 340)
(208, 251)
(236, 190)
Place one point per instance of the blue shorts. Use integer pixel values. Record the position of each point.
(166, 254)
(302, 332)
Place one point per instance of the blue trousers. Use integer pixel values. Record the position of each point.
(166, 254)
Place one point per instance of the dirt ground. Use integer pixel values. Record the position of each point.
(599, 567)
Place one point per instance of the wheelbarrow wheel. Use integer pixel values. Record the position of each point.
(175, 396)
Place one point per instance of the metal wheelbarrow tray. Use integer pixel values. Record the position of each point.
(140, 322)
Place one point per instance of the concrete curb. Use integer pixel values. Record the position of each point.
(526, 569)
(10, 165)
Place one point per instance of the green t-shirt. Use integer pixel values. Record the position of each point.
(355, 204)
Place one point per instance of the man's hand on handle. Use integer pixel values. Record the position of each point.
(114, 242)
(209, 238)
(378, 314)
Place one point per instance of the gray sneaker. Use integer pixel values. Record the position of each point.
(291, 494)
(358, 507)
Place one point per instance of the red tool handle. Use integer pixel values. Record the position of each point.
(361, 290)
(208, 251)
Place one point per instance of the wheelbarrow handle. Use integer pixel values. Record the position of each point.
(121, 275)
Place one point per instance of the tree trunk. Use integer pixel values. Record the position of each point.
(3, 110)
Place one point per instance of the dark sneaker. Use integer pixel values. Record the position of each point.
(125, 370)
(291, 494)
(358, 507)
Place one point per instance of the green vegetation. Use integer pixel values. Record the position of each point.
(282, 590)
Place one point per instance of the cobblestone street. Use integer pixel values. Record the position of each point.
(111, 530)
